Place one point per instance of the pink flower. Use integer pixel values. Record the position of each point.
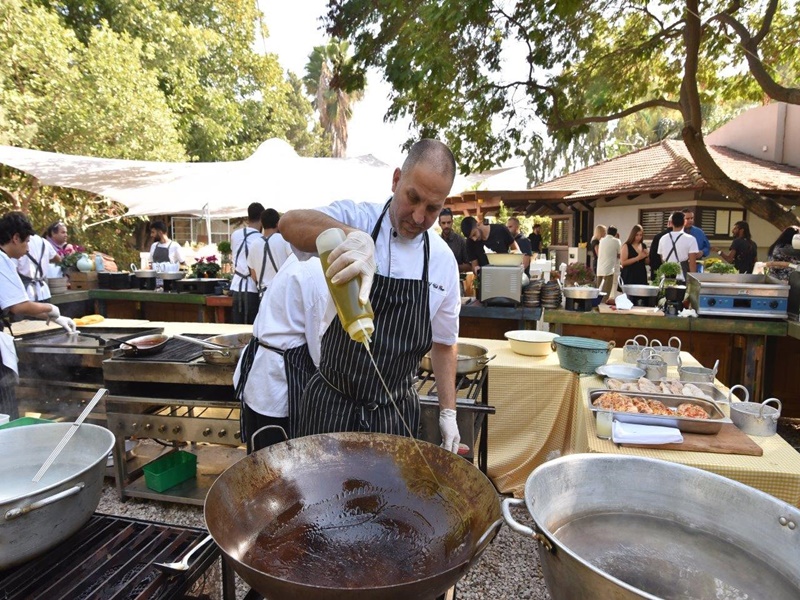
(212, 259)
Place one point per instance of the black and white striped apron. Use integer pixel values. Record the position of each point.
(346, 393)
(298, 366)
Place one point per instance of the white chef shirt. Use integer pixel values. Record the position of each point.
(291, 313)
(280, 249)
(246, 283)
(44, 252)
(401, 258)
(12, 292)
(175, 254)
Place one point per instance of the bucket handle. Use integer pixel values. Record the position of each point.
(653, 343)
(523, 529)
(24, 510)
(768, 401)
(643, 336)
(739, 387)
(611, 345)
(677, 339)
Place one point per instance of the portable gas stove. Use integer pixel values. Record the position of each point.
(579, 304)
(113, 557)
(747, 296)
(472, 412)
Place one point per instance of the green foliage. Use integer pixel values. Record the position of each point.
(719, 267)
(224, 247)
(669, 270)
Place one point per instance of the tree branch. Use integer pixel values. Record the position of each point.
(560, 124)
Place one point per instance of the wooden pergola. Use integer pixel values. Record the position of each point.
(529, 202)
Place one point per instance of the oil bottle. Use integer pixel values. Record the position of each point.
(355, 317)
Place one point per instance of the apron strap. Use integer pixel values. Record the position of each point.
(425, 240)
(267, 252)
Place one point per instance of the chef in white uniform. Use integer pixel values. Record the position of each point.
(268, 251)
(284, 352)
(15, 230)
(32, 268)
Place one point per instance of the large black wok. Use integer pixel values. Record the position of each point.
(352, 516)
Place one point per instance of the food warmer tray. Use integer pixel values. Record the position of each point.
(708, 388)
(711, 425)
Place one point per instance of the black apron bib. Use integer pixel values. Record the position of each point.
(298, 366)
(38, 278)
(684, 263)
(346, 393)
(242, 305)
(161, 254)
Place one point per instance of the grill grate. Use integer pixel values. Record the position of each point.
(173, 351)
(110, 557)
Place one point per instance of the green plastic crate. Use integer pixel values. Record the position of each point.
(170, 470)
(24, 421)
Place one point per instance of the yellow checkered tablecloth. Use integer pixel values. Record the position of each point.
(777, 472)
(536, 413)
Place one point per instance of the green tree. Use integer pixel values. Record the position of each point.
(329, 80)
(586, 63)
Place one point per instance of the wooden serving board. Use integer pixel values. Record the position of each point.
(729, 440)
(636, 310)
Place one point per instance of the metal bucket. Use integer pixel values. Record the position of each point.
(580, 354)
(35, 517)
(626, 527)
(652, 364)
(669, 352)
(756, 419)
(632, 350)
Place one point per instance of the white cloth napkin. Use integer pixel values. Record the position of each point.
(622, 302)
(631, 433)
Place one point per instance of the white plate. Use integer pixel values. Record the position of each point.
(620, 371)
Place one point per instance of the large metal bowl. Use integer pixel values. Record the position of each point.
(640, 291)
(581, 292)
(471, 359)
(625, 527)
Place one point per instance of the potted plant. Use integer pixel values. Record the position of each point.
(578, 274)
(669, 271)
(224, 248)
(207, 267)
(70, 257)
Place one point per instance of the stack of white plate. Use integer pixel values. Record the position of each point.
(57, 285)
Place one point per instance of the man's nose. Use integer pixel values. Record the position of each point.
(419, 215)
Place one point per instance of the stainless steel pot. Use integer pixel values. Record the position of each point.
(624, 527)
(581, 293)
(756, 419)
(669, 353)
(34, 517)
(233, 344)
(471, 359)
(652, 364)
(640, 291)
(632, 350)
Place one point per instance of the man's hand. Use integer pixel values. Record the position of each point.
(449, 429)
(53, 313)
(67, 323)
(353, 257)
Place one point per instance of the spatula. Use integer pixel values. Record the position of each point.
(68, 436)
(183, 565)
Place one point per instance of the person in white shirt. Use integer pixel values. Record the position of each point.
(32, 268)
(284, 352)
(163, 249)
(243, 288)
(15, 230)
(415, 297)
(679, 247)
(267, 252)
(607, 261)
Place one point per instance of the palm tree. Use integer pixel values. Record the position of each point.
(335, 89)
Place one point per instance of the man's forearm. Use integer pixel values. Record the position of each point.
(444, 360)
(301, 227)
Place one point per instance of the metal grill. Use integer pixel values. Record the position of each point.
(173, 351)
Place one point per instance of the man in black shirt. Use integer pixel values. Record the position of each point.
(743, 250)
(535, 239)
(456, 243)
(522, 242)
(495, 237)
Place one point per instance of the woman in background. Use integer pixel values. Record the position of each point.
(782, 258)
(633, 258)
(599, 233)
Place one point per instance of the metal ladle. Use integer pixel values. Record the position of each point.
(68, 436)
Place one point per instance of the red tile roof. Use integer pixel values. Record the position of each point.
(667, 166)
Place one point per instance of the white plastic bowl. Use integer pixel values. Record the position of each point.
(504, 260)
(530, 342)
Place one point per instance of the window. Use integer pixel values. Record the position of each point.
(715, 222)
(560, 232)
(187, 229)
(654, 221)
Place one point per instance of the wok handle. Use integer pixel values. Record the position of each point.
(264, 428)
(523, 529)
(24, 510)
(484, 540)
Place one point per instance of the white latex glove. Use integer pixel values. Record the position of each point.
(354, 257)
(449, 429)
(53, 314)
(67, 323)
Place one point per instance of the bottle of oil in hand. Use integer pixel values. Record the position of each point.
(355, 317)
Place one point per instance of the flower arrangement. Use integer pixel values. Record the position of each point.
(70, 255)
(206, 267)
(579, 274)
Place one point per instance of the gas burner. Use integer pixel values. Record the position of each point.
(579, 304)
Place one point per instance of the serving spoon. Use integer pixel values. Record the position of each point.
(183, 565)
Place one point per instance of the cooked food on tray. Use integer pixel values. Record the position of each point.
(692, 411)
(633, 404)
(665, 386)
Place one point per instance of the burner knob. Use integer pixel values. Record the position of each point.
(207, 431)
(238, 435)
(134, 425)
(222, 433)
(148, 426)
(176, 429)
(774, 304)
(162, 428)
(712, 301)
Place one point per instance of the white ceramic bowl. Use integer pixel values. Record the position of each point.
(530, 342)
(620, 371)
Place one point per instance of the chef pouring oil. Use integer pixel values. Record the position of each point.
(355, 317)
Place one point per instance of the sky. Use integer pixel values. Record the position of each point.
(294, 30)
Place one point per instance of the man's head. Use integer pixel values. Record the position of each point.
(421, 187)
(158, 230)
(57, 232)
(612, 231)
(446, 221)
(537, 228)
(688, 218)
(741, 229)
(254, 212)
(471, 229)
(15, 231)
(513, 226)
(677, 219)
(269, 218)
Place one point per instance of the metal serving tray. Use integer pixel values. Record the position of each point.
(711, 425)
(709, 388)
